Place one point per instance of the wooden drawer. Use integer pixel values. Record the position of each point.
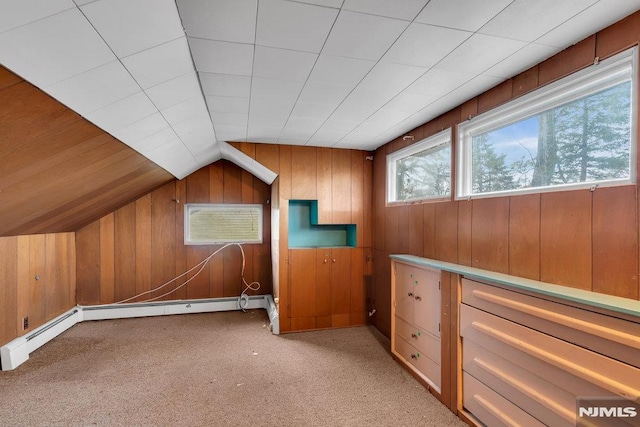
(404, 291)
(421, 340)
(615, 337)
(428, 368)
(491, 408)
(537, 396)
(550, 354)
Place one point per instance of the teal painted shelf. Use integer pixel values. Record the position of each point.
(305, 232)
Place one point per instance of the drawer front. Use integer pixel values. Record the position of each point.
(404, 291)
(542, 399)
(427, 300)
(550, 354)
(491, 408)
(429, 369)
(608, 335)
(421, 340)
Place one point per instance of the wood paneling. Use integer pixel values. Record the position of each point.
(620, 36)
(322, 283)
(525, 81)
(568, 61)
(303, 172)
(36, 281)
(125, 257)
(615, 241)
(495, 96)
(107, 259)
(416, 232)
(59, 171)
(302, 292)
(524, 236)
(446, 231)
(341, 187)
(490, 234)
(465, 217)
(143, 247)
(358, 206)
(324, 161)
(565, 238)
(88, 264)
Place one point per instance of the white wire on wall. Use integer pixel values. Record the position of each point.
(243, 300)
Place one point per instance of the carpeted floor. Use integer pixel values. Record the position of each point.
(218, 369)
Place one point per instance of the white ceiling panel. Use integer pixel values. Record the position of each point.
(437, 82)
(303, 134)
(480, 52)
(123, 112)
(270, 107)
(324, 138)
(312, 110)
(225, 85)
(231, 133)
(193, 108)
(387, 79)
(160, 63)
(53, 49)
(95, 88)
(275, 89)
(229, 119)
(225, 20)
(174, 91)
(595, 17)
(282, 64)
(17, 13)
(270, 120)
(324, 94)
(526, 20)
(461, 14)
(303, 123)
(424, 45)
(128, 27)
(340, 71)
(292, 25)
(352, 36)
(222, 57)
(328, 3)
(338, 126)
(195, 132)
(152, 142)
(228, 104)
(399, 9)
(142, 129)
(520, 61)
(409, 102)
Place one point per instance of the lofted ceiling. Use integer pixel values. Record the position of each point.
(175, 80)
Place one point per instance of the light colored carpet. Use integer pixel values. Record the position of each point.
(218, 369)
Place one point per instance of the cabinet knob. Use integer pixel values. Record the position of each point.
(334, 260)
(410, 294)
(413, 356)
(414, 336)
(325, 260)
(418, 298)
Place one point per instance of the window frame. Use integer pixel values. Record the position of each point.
(441, 138)
(599, 76)
(189, 207)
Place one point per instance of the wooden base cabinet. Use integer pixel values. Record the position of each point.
(416, 320)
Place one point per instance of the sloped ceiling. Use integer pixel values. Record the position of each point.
(174, 81)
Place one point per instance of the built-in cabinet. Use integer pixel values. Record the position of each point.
(416, 320)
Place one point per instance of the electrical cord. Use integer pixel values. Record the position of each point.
(254, 286)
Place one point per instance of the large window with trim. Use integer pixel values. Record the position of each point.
(421, 171)
(577, 132)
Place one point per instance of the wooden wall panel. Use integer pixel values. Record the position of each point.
(465, 216)
(143, 246)
(378, 200)
(357, 198)
(163, 239)
(303, 172)
(446, 231)
(490, 234)
(216, 265)
(565, 238)
(495, 96)
(125, 255)
(88, 264)
(416, 232)
(568, 61)
(429, 230)
(615, 241)
(8, 286)
(341, 187)
(357, 295)
(524, 236)
(367, 200)
(107, 259)
(200, 187)
(181, 250)
(324, 161)
(403, 229)
(618, 37)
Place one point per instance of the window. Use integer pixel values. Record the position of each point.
(421, 171)
(575, 133)
(206, 224)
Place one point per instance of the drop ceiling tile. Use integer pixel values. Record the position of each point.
(229, 119)
(352, 37)
(593, 19)
(380, 121)
(174, 91)
(195, 132)
(292, 140)
(222, 57)
(268, 134)
(141, 129)
(340, 71)
(409, 102)
(148, 144)
(224, 20)
(160, 63)
(231, 133)
(123, 112)
(328, 3)
(308, 109)
(266, 120)
(270, 107)
(387, 79)
(94, 89)
(228, 104)
(303, 123)
(282, 64)
(480, 52)
(193, 108)
(54, 48)
(424, 45)
(437, 82)
(526, 20)
(324, 94)
(292, 25)
(336, 124)
(522, 60)
(447, 13)
(225, 85)
(275, 89)
(399, 9)
(129, 27)
(324, 138)
(19, 12)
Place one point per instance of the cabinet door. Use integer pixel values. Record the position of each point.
(404, 297)
(427, 300)
(302, 282)
(340, 281)
(323, 286)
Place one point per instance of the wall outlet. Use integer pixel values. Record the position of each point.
(25, 323)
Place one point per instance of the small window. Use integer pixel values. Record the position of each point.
(206, 224)
(575, 133)
(421, 171)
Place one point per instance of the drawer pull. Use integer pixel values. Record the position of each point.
(526, 390)
(415, 356)
(577, 370)
(495, 411)
(410, 294)
(418, 298)
(562, 319)
(413, 335)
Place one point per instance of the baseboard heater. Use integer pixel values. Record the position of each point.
(16, 352)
